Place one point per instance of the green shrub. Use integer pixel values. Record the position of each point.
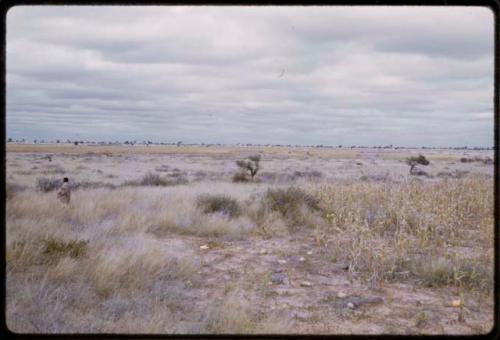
(219, 203)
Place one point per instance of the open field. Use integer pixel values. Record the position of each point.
(160, 240)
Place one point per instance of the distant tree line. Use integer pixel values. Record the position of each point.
(180, 143)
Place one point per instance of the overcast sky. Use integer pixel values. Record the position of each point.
(407, 76)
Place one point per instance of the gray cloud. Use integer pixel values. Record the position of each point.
(296, 75)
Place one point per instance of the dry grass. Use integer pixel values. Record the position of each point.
(151, 179)
(174, 150)
(122, 259)
(11, 189)
(236, 314)
(380, 229)
(294, 205)
(219, 204)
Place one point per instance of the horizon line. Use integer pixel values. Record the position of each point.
(180, 144)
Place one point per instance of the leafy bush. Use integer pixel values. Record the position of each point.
(219, 203)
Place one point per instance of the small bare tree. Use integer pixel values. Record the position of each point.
(413, 161)
(250, 164)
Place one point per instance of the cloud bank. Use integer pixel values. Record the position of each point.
(407, 76)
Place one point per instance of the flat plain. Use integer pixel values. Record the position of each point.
(159, 239)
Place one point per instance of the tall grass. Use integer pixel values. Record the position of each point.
(114, 259)
(381, 229)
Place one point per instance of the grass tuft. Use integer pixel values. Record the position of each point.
(56, 248)
(226, 205)
(287, 201)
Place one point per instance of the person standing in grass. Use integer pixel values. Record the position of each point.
(64, 192)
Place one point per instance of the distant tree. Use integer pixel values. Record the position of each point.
(413, 161)
(179, 143)
(58, 141)
(250, 164)
(76, 143)
(9, 140)
(35, 141)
